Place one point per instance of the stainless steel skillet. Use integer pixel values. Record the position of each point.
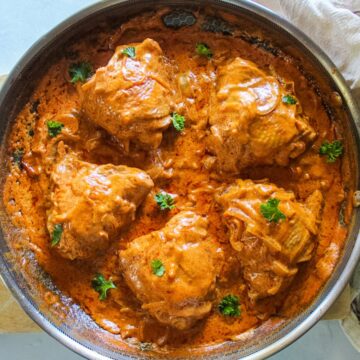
(77, 331)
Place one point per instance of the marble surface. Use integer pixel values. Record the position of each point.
(22, 22)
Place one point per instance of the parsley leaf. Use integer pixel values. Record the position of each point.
(158, 268)
(54, 127)
(165, 201)
(230, 306)
(101, 285)
(17, 157)
(178, 121)
(203, 50)
(80, 72)
(129, 51)
(270, 210)
(56, 234)
(288, 99)
(331, 150)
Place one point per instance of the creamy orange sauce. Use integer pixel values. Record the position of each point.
(180, 160)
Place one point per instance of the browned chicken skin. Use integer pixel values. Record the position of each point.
(191, 260)
(269, 252)
(131, 97)
(250, 124)
(93, 202)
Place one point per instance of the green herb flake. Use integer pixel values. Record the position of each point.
(56, 234)
(101, 285)
(157, 267)
(203, 50)
(17, 157)
(230, 306)
(165, 201)
(129, 51)
(271, 212)
(289, 99)
(331, 150)
(54, 127)
(178, 121)
(80, 72)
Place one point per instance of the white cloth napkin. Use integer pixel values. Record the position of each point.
(334, 25)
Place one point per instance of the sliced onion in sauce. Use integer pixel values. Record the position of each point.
(236, 227)
(267, 95)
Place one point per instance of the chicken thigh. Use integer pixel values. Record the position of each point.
(269, 250)
(181, 293)
(131, 96)
(91, 203)
(253, 121)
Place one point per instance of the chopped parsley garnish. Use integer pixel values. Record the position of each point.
(288, 99)
(157, 267)
(203, 50)
(54, 127)
(17, 157)
(178, 121)
(165, 201)
(271, 212)
(230, 306)
(101, 285)
(56, 234)
(129, 51)
(80, 72)
(331, 150)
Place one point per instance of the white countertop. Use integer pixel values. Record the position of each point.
(22, 22)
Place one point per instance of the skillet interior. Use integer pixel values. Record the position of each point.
(30, 285)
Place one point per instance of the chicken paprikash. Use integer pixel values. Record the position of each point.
(180, 182)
